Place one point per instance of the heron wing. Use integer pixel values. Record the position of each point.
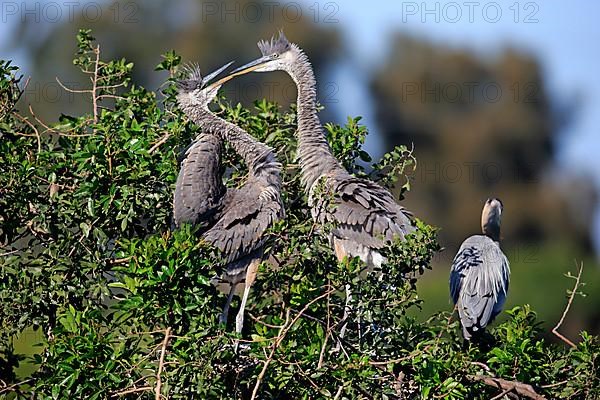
(479, 280)
(246, 215)
(362, 212)
(199, 189)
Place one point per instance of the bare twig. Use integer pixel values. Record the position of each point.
(132, 390)
(71, 90)
(35, 130)
(338, 393)
(260, 321)
(123, 261)
(95, 84)
(159, 143)
(551, 385)
(394, 361)
(562, 318)
(482, 365)
(161, 363)
(11, 388)
(49, 129)
(327, 333)
(284, 330)
(508, 386)
(8, 253)
(502, 394)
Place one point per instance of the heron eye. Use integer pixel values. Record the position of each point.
(275, 55)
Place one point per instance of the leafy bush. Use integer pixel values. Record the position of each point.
(126, 304)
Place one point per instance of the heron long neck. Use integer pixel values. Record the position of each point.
(490, 225)
(314, 152)
(258, 157)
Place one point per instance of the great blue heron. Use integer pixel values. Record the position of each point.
(480, 274)
(236, 219)
(364, 215)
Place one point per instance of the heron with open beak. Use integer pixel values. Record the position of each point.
(236, 220)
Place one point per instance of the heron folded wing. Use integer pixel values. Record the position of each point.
(199, 188)
(479, 281)
(365, 212)
(244, 220)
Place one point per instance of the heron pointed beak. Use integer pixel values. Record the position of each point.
(251, 66)
(244, 69)
(214, 74)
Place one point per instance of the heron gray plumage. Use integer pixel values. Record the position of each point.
(480, 274)
(364, 215)
(236, 219)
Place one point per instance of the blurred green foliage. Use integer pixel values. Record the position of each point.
(126, 306)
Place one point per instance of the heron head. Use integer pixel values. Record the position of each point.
(195, 90)
(277, 54)
(490, 218)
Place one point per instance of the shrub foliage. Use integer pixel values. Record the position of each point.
(126, 304)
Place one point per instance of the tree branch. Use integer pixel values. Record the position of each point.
(161, 363)
(12, 388)
(132, 390)
(95, 84)
(159, 143)
(508, 386)
(562, 318)
(284, 330)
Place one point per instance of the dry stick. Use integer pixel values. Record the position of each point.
(504, 392)
(12, 387)
(95, 84)
(327, 333)
(35, 130)
(21, 91)
(8, 253)
(72, 90)
(518, 387)
(159, 143)
(551, 385)
(259, 321)
(562, 318)
(480, 364)
(49, 129)
(132, 390)
(286, 327)
(338, 393)
(161, 363)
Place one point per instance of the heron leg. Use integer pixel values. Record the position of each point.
(225, 313)
(250, 277)
(346, 311)
(344, 319)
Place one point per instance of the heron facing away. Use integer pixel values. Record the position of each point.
(480, 274)
(235, 219)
